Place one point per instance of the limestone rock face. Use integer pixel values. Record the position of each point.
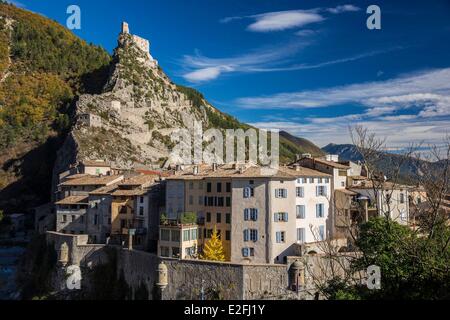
(129, 124)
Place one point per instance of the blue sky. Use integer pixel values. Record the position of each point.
(309, 67)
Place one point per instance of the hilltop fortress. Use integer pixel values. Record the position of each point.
(141, 43)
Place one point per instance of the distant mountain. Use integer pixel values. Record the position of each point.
(386, 161)
(301, 145)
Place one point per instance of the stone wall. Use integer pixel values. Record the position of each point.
(187, 279)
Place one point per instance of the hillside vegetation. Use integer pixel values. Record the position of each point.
(43, 66)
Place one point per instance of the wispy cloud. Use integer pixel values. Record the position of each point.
(410, 108)
(201, 68)
(289, 19)
(430, 85)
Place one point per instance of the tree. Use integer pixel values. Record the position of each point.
(414, 259)
(213, 249)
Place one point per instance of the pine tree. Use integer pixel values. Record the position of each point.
(213, 249)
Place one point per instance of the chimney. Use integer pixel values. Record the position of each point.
(195, 170)
(214, 166)
(297, 167)
(125, 28)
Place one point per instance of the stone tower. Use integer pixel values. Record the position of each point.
(125, 28)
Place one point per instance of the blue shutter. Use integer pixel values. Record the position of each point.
(325, 190)
(245, 252)
(287, 217)
(317, 210)
(246, 214)
(317, 191)
(246, 235)
(256, 236)
(256, 214)
(275, 217)
(278, 237)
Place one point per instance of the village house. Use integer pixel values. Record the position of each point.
(260, 216)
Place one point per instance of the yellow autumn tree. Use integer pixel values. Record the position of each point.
(213, 249)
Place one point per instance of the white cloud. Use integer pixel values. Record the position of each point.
(289, 19)
(275, 21)
(306, 33)
(410, 108)
(200, 68)
(404, 90)
(344, 8)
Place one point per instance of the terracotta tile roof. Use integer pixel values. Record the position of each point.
(93, 163)
(92, 181)
(139, 180)
(346, 192)
(74, 200)
(128, 193)
(333, 164)
(105, 190)
(249, 171)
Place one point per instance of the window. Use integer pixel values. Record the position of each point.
(311, 180)
(165, 234)
(141, 211)
(320, 210)
(327, 180)
(219, 217)
(189, 251)
(251, 182)
(228, 201)
(342, 184)
(165, 251)
(175, 236)
(191, 200)
(219, 187)
(175, 252)
(280, 193)
(228, 218)
(95, 219)
(249, 192)
(228, 235)
(250, 235)
(248, 252)
(301, 212)
(220, 202)
(210, 201)
(403, 215)
(73, 218)
(228, 187)
(209, 233)
(200, 200)
(300, 192)
(319, 180)
(321, 233)
(321, 191)
(194, 234)
(301, 235)
(186, 235)
(402, 198)
(64, 218)
(280, 236)
(191, 185)
(141, 199)
(208, 217)
(251, 214)
(281, 217)
(200, 185)
(208, 187)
